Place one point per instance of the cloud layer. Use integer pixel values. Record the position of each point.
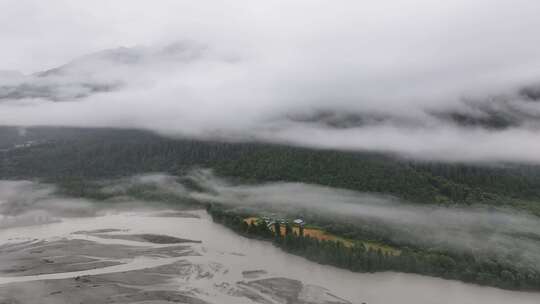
(453, 82)
(504, 234)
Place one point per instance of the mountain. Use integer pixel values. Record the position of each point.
(100, 72)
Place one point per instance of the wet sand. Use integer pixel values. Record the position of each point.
(154, 285)
(147, 237)
(85, 267)
(147, 258)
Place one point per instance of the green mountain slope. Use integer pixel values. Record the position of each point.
(71, 155)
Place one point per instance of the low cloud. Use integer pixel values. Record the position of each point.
(446, 82)
(25, 203)
(504, 234)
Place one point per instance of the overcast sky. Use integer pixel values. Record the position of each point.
(421, 78)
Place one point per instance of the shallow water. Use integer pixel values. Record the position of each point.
(220, 246)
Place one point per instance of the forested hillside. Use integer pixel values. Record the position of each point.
(70, 156)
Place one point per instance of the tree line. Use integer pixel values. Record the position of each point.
(72, 159)
(359, 258)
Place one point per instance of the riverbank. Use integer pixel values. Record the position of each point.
(223, 268)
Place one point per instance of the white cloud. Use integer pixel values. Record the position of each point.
(395, 71)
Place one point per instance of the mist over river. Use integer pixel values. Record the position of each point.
(151, 256)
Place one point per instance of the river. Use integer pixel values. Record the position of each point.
(230, 258)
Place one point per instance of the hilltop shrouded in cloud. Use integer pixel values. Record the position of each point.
(456, 81)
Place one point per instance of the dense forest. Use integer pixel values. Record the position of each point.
(445, 264)
(72, 156)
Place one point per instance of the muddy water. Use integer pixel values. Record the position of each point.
(222, 248)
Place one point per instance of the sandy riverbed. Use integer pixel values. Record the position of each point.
(145, 257)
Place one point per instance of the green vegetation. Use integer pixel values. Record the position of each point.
(319, 233)
(96, 154)
(359, 258)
